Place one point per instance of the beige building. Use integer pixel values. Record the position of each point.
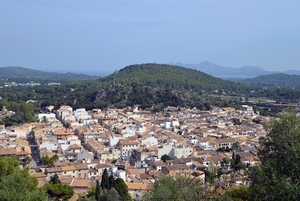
(109, 155)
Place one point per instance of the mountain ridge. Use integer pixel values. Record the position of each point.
(231, 72)
(14, 72)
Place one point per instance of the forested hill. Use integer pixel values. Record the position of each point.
(172, 77)
(279, 79)
(15, 73)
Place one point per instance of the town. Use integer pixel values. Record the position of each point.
(136, 145)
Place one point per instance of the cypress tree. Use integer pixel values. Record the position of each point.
(104, 181)
(111, 181)
(97, 194)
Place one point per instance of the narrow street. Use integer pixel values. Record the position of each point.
(36, 161)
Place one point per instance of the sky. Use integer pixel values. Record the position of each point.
(92, 36)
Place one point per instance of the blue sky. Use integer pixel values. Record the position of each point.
(108, 35)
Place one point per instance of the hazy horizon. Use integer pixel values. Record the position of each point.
(96, 36)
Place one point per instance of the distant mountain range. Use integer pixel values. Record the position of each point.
(15, 73)
(230, 72)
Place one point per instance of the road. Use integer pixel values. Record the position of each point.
(34, 149)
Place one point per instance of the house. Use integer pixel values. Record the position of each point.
(126, 147)
(80, 185)
(173, 170)
(112, 154)
(157, 165)
(22, 152)
(63, 133)
(137, 190)
(226, 142)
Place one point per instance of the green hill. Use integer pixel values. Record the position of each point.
(275, 80)
(171, 77)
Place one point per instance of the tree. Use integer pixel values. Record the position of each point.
(180, 189)
(92, 191)
(27, 160)
(104, 181)
(55, 180)
(49, 162)
(97, 191)
(278, 178)
(240, 193)
(8, 165)
(122, 189)
(17, 184)
(57, 190)
(165, 157)
(111, 180)
(110, 195)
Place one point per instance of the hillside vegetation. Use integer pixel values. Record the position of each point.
(172, 77)
(279, 79)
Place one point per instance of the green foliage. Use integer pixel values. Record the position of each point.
(8, 165)
(209, 176)
(55, 180)
(27, 160)
(236, 162)
(122, 189)
(111, 195)
(278, 178)
(180, 189)
(97, 191)
(111, 181)
(17, 184)
(165, 157)
(24, 113)
(171, 77)
(59, 191)
(92, 191)
(49, 162)
(225, 161)
(104, 182)
(241, 193)
(275, 80)
(56, 190)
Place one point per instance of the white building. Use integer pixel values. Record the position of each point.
(113, 140)
(45, 116)
(150, 141)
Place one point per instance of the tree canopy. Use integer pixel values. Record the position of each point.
(180, 189)
(17, 184)
(278, 178)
